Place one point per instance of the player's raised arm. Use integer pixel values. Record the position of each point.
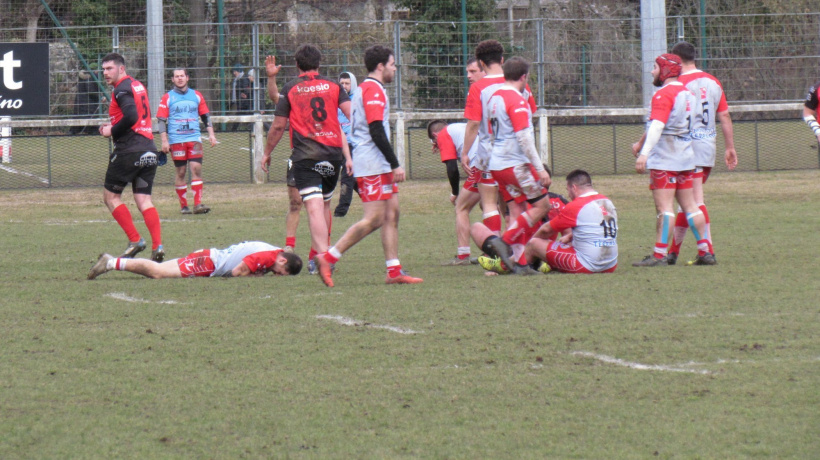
(271, 69)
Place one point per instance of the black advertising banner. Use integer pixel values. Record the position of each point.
(23, 79)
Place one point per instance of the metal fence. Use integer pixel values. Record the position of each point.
(769, 137)
(579, 62)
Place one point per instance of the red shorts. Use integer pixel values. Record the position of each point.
(197, 263)
(186, 151)
(702, 172)
(476, 177)
(519, 183)
(563, 258)
(376, 188)
(673, 180)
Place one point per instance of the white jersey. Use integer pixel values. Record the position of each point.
(370, 104)
(710, 100)
(509, 114)
(672, 105)
(450, 142)
(594, 223)
(225, 260)
(477, 109)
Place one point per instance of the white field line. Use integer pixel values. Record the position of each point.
(128, 298)
(23, 173)
(639, 366)
(352, 322)
(109, 221)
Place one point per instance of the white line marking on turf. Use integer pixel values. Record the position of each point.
(352, 322)
(23, 173)
(108, 221)
(639, 366)
(128, 298)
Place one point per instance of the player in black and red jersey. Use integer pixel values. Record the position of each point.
(311, 103)
(134, 158)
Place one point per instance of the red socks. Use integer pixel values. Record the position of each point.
(196, 186)
(151, 217)
(123, 217)
(182, 190)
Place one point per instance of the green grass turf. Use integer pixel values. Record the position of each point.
(500, 367)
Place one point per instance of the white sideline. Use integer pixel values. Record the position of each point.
(108, 221)
(23, 173)
(352, 322)
(639, 366)
(128, 298)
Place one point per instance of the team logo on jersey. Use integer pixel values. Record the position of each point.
(703, 93)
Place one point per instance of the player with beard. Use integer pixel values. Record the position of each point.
(666, 150)
(377, 171)
(134, 158)
(310, 104)
(179, 113)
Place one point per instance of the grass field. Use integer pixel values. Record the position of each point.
(673, 362)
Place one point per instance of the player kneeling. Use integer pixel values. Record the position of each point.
(591, 245)
(248, 258)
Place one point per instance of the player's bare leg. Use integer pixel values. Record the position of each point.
(465, 202)
(489, 207)
(697, 222)
(292, 218)
(664, 202)
(318, 211)
(144, 267)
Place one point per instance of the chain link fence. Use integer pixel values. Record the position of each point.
(578, 63)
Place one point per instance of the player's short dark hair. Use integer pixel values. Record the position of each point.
(294, 262)
(116, 58)
(184, 70)
(308, 57)
(685, 51)
(580, 178)
(375, 55)
(515, 68)
(435, 125)
(471, 61)
(489, 52)
(345, 75)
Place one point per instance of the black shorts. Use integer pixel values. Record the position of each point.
(316, 178)
(290, 179)
(138, 168)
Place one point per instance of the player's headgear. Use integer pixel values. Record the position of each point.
(670, 66)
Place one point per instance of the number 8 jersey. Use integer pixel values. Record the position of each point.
(127, 94)
(311, 104)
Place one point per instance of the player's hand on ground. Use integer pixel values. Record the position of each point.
(731, 157)
(271, 69)
(398, 174)
(105, 130)
(640, 164)
(265, 162)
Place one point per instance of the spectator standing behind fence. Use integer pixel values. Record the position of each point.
(179, 113)
(348, 182)
(710, 107)
(86, 101)
(134, 158)
(240, 94)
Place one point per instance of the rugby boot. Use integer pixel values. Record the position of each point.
(133, 249)
(652, 261)
(100, 267)
(403, 278)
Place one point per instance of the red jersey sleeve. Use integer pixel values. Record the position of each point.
(203, 107)
(446, 146)
(566, 218)
(518, 112)
(662, 104)
(162, 110)
(531, 100)
(261, 262)
(473, 110)
(374, 102)
(722, 105)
